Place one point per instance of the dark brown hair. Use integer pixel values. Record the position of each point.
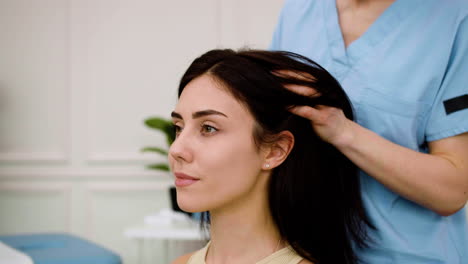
(314, 195)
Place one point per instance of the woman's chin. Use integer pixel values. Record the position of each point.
(190, 206)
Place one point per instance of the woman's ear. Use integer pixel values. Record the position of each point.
(279, 150)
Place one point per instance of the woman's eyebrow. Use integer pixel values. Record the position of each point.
(206, 113)
(199, 114)
(176, 115)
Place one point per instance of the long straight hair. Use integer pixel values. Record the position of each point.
(314, 195)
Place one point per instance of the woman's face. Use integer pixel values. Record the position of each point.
(214, 158)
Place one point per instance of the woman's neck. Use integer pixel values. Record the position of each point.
(243, 234)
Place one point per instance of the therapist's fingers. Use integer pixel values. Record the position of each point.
(307, 112)
(302, 90)
(329, 123)
(299, 89)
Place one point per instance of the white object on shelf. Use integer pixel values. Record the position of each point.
(168, 217)
(171, 228)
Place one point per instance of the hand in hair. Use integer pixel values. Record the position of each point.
(329, 123)
(437, 180)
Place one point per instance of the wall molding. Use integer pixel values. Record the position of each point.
(33, 157)
(36, 186)
(121, 157)
(129, 186)
(95, 188)
(71, 173)
(65, 189)
(56, 32)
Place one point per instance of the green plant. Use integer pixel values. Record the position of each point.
(164, 126)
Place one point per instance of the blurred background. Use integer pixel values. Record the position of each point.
(77, 80)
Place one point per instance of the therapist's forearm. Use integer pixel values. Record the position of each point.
(431, 180)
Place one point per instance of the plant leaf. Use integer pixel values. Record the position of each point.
(158, 123)
(159, 166)
(163, 125)
(155, 149)
(170, 134)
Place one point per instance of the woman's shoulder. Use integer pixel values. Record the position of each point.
(183, 259)
(196, 257)
(305, 261)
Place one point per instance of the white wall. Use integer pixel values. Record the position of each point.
(77, 78)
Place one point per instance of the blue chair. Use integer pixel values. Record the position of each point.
(60, 249)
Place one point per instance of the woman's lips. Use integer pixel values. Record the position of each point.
(183, 180)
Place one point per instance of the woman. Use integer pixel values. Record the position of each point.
(404, 66)
(275, 192)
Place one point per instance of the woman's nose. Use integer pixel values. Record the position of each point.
(180, 149)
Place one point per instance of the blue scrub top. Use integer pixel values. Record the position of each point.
(407, 77)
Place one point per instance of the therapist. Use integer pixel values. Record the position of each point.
(404, 65)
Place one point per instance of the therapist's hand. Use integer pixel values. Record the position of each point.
(437, 180)
(330, 123)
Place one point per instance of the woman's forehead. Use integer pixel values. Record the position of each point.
(206, 93)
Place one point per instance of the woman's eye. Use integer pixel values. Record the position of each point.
(207, 129)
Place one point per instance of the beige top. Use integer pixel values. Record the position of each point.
(283, 256)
